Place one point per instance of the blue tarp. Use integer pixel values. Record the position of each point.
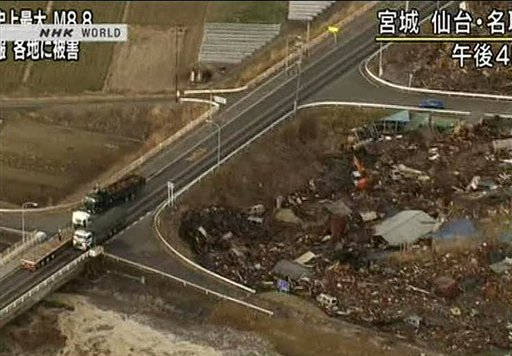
(283, 286)
(461, 228)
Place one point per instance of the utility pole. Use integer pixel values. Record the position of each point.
(381, 70)
(176, 59)
(23, 207)
(307, 38)
(170, 194)
(286, 57)
(210, 109)
(299, 68)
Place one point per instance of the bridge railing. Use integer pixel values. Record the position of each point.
(51, 280)
(15, 249)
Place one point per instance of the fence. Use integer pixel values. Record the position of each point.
(189, 284)
(17, 248)
(52, 280)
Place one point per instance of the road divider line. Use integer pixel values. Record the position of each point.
(139, 161)
(157, 149)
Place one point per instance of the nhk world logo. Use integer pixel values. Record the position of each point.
(80, 33)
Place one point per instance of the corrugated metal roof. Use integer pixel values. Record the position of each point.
(306, 10)
(290, 269)
(406, 227)
(232, 42)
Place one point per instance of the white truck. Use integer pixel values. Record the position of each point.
(98, 228)
(81, 219)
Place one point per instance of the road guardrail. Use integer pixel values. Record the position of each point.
(160, 208)
(17, 248)
(139, 161)
(181, 191)
(215, 91)
(189, 284)
(54, 278)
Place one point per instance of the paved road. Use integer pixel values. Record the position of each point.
(240, 122)
(21, 280)
(352, 86)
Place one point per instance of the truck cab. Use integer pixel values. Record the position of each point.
(81, 219)
(82, 239)
(92, 201)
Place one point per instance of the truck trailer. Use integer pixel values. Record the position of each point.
(100, 228)
(125, 189)
(42, 253)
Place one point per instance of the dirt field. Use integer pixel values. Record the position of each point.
(89, 73)
(49, 154)
(40, 169)
(138, 65)
(46, 77)
(12, 72)
(147, 62)
(128, 67)
(272, 12)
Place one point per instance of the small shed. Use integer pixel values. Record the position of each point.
(406, 227)
(290, 270)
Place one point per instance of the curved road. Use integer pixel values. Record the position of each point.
(333, 76)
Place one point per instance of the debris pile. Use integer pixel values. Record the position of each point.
(369, 252)
(455, 299)
(431, 65)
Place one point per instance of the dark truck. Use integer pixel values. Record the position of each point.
(126, 188)
(102, 227)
